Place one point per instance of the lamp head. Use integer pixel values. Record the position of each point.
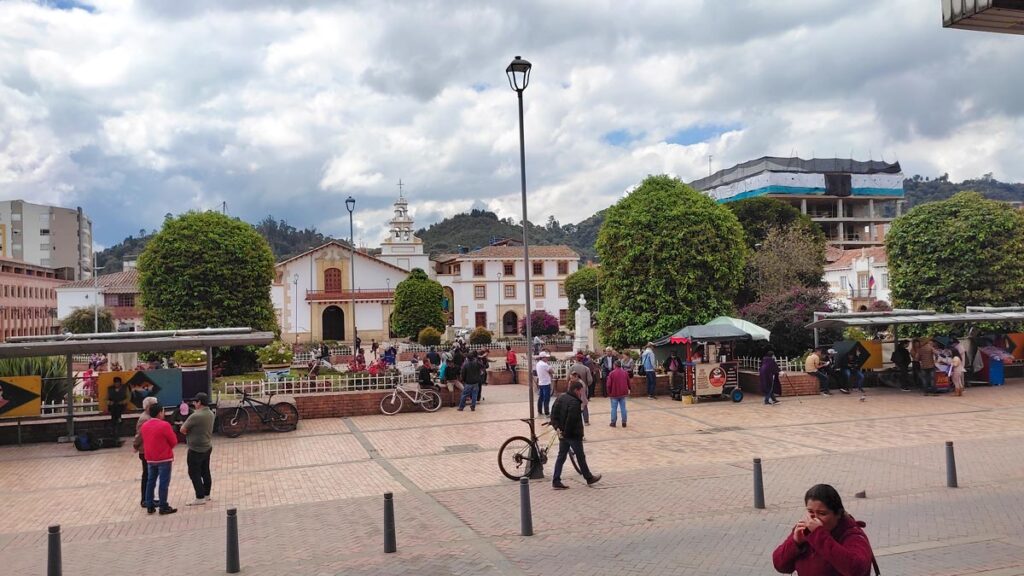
(350, 203)
(518, 74)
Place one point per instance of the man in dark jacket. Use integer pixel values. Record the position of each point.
(902, 360)
(472, 376)
(567, 419)
(674, 367)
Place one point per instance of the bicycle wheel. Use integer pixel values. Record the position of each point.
(235, 423)
(284, 417)
(431, 401)
(391, 404)
(514, 457)
(575, 464)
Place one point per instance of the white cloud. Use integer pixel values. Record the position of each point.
(285, 108)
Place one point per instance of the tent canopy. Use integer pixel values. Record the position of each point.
(704, 333)
(755, 331)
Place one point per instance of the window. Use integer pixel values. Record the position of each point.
(563, 317)
(45, 247)
(538, 290)
(843, 284)
(126, 300)
(509, 269)
(457, 269)
(510, 290)
(332, 280)
(885, 281)
(44, 231)
(538, 268)
(480, 291)
(481, 319)
(561, 290)
(478, 269)
(563, 268)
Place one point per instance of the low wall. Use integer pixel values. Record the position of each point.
(793, 383)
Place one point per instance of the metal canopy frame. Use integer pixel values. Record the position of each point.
(973, 315)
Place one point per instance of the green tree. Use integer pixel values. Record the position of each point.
(786, 315)
(760, 215)
(81, 321)
(583, 281)
(786, 258)
(205, 269)
(417, 305)
(958, 252)
(670, 257)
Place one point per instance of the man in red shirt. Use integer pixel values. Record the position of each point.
(158, 442)
(618, 391)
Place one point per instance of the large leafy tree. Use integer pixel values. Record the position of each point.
(787, 314)
(205, 269)
(786, 258)
(760, 215)
(955, 253)
(670, 257)
(417, 305)
(583, 281)
(82, 321)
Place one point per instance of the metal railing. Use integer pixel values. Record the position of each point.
(81, 408)
(326, 384)
(785, 364)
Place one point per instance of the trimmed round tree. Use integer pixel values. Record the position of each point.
(541, 324)
(959, 252)
(207, 270)
(81, 321)
(417, 305)
(670, 257)
(583, 281)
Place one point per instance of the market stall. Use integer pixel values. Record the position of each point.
(711, 369)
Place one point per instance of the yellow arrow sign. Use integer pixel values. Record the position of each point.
(19, 396)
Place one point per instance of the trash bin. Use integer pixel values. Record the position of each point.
(996, 375)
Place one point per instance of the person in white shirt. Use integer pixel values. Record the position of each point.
(543, 370)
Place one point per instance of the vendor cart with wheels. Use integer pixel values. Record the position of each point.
(711, 368)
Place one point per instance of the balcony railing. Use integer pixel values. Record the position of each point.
(343, 295)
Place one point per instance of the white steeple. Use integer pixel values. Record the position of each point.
(402, 248)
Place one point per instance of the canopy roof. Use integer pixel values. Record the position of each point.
(755, 331)
(704, 333)
(107, 342)
(973, 315)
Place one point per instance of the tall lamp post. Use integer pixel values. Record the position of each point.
(295, 303)
(350, 203)
(387, 317)
(518, 73)
(497, 314)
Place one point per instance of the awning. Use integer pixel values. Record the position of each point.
(704, 333)
(110, 342)
(974, 315)
(755, 331)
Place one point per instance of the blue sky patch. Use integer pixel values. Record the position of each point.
(621, 138)
(700, 133)
(67, 5)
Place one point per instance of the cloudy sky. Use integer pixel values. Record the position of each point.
(133, 109)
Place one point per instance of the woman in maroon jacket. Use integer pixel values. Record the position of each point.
(827, 542)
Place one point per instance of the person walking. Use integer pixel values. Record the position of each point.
(198, 431)
(137, 444)
(769, 375)
(374, 347)
(607, 365)
(673, 366)
(511, 362)
(567, 419)
(543, 370)
(618, 391)
(536, 345)
(925, 357)
(482, 356)
(158, 442)
(472, 377)
(117, 400)
(815, 366)
(901, 359)
(583, 375)
(647, 363)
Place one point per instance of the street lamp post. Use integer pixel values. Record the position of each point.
(295, 303)
(387, 317)
(518, 73)
(350, 203)
(497, 314)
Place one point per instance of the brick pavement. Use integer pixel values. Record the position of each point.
(676, 498)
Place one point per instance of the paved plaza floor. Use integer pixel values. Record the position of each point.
(676, 497)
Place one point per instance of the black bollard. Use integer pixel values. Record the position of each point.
(390, 545)
(525, 512)
(950, 466)
(233, 566)
(758, 485)
(53, 564)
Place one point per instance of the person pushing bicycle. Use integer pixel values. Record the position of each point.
(567, 419)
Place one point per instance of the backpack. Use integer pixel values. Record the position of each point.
(85, 442)
(640, 369)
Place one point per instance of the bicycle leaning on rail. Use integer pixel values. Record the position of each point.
(518, 455)
(282, 417)
(428, 398)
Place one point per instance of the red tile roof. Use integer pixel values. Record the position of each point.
(845, 260)
(124, 282)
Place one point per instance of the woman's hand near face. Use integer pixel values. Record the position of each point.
(813, 524)
(799, 532)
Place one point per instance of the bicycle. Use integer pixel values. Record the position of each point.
(429, 399)
(282, 417)
(519, 454)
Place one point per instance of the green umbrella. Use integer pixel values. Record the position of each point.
(755, 331)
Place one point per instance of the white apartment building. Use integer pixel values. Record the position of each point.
(849, 278)
(485, 287)
(48, 236)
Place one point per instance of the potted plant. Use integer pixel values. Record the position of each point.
(190, 358)
(275, 356)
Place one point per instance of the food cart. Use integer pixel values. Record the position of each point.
(715, 373)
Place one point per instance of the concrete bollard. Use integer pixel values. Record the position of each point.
(53, 563)
(758, 485)
(950, 466)
(390, 544)
(233, 565)
(525, 511)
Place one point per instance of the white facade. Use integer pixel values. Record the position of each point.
(849, 278)
(313, 301)
(402, 248)
(485, 287)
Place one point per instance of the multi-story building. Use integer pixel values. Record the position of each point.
(858, 278)
(46, 236)
(854, 202)
(485, 287)
(28, 299)
(118, 292)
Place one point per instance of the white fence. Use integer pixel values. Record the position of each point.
(321, 385)
(60, 408)
(785, 364)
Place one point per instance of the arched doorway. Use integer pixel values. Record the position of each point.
(333, 323)
(509, 323)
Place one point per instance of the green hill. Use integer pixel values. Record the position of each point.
(921, 190)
